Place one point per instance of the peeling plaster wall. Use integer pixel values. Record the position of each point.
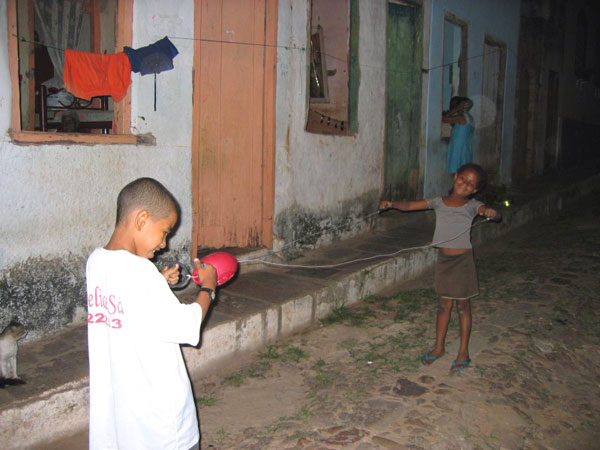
(58, 201)
(499, 20)
(325, 182)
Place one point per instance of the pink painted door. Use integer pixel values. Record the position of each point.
(234, 122)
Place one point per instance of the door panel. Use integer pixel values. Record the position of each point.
(490, 143)
(234, 123)
(403, 102)
(551, 122)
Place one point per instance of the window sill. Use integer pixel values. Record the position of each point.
(39, 137)
(320, 123)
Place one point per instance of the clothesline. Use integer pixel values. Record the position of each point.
(285, 47)
(424, 70)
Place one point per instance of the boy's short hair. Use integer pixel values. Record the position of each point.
(481, 175)
(147, 194)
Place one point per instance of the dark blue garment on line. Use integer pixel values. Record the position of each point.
(153, 58)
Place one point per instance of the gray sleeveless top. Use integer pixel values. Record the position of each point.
(452, 221)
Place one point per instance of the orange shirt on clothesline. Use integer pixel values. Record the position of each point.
(88, 75)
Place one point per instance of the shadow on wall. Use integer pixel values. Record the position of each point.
(579, 143)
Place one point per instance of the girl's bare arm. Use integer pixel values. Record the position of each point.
(404, 205)
(452, 119)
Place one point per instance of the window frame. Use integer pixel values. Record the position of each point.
(319, 122)
(122, 109)
(322, 70)
(462, 62)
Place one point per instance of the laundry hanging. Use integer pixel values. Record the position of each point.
(152, 59)
(88, 75)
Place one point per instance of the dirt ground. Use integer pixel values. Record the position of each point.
(355, 382)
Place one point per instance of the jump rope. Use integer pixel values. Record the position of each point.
(226, 264)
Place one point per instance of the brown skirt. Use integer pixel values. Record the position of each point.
(456, 276)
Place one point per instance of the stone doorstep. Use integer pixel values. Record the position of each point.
(64, 410)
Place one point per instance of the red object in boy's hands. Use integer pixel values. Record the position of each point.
(224, 263)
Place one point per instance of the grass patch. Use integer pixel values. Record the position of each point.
(381, 302)
(270, 353)
(411, 303)
(206, 400)
(348, 344)
(356, 317)
(256, 370)
(286, 355)
(319, 363)
(293, 354)
(297, 436)
(305, 414)
(259, 369)
(236, 379)
(323, 377)
(221, 436)
(396, 353)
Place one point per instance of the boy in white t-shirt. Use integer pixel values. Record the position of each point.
(140, 392)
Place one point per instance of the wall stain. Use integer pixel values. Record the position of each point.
(287, 141)
(300, 228)
(47, 294)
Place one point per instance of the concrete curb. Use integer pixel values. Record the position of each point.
(64, 410)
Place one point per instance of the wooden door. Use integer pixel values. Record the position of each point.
(490, 144)
(402, 102)
(550, 147)
(521, 152)
(234, 123)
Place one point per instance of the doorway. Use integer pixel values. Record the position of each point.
(490, 144)
(403, 101)
(550, 148)
(233, 136)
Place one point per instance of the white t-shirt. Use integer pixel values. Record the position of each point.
(140, 392)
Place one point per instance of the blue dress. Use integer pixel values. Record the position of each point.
(459, 148)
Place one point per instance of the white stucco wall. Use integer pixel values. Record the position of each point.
(500, 20)
(316, 172)
(59, 201)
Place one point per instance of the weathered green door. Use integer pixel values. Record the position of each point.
(403, 102)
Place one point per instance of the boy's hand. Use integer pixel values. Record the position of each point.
(171, 274)
(207, 274)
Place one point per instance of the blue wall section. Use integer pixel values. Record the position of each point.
(498, 20)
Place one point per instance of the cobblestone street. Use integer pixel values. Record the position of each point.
(356, 382)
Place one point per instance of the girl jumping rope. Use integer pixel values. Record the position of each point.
(455, 273)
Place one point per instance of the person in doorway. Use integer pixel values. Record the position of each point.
(459, 147)
(140, 392)
(455, 272)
